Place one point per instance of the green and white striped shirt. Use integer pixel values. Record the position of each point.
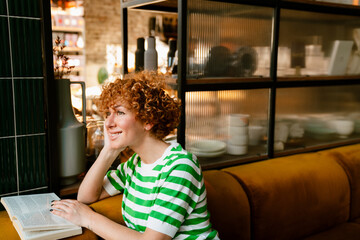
(168, 195)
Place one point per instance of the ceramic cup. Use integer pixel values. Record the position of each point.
(256, 134)
(281, 132)
(343, 127)
(238, 120)
(234, 131)
(237, 149)
(238, 140)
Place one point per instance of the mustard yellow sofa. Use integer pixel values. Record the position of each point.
(312, 196)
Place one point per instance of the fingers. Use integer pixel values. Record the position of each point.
(72, 210)
(66, 206)
(106, 137)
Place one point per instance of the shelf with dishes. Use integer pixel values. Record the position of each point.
(338, 62)
(240, 143)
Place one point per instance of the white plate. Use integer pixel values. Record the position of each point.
(209, 154)
(207, 146)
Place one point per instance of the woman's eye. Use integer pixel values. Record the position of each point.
(119, 113)
(107, 114)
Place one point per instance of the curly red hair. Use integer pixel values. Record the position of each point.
(144, 94)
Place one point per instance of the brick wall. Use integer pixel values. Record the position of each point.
(103, 27)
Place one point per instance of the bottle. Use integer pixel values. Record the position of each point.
(174, 66)
(98, 138)
(139, 55)
(171, 53)
(152, 26)
(150, 55)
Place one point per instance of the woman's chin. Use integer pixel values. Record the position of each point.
(116, 145)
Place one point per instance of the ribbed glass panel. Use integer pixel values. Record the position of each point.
(29, 106)
(5, 62)
(26, 47)
(208, 113)
(228, 40)
(8, 178)
(25, 8)
(6, 108)
(31, 158)
(318, 44)
(317, 115)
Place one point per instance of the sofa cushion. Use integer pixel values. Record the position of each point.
(295, 196)
(349, 158)
(345, 231)
(228, 205)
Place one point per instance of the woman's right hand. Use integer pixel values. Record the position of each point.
(107, 145)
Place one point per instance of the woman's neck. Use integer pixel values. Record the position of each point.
(151, 149)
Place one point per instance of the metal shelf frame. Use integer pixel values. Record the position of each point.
(186, 84)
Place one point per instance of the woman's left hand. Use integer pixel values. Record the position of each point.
(73, 211)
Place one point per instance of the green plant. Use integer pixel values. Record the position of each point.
(102, 75)
(61, 61)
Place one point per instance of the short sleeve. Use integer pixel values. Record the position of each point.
(177, 198)
(114, 180)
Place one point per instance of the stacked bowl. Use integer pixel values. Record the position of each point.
(238, 134)
(208, 148)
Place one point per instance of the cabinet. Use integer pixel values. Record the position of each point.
(291, 66)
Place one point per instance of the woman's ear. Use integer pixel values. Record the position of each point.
(148, 126)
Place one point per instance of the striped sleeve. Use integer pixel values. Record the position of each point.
(115, 180)
(177, 197)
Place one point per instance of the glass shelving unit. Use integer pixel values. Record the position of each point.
(292, 66)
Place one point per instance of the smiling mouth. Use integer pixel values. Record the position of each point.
(114, 135)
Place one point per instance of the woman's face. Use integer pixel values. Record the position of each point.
(122, 128)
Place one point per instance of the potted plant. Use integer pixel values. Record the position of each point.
(61, 61)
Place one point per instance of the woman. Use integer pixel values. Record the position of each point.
(163, 190)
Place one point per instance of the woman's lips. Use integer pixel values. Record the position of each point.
(114, 135)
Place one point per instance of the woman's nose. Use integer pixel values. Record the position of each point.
(109, 121)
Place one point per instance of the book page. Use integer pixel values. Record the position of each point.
(33, 212)
(18, 205)
(42, 219)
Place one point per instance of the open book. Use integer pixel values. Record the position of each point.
(32, 218)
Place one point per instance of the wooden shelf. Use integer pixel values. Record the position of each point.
(66, 29)
(72, 49)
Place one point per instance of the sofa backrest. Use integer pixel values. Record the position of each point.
(295, 196)
(111, 208)
(228, 205)
(349, 158)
